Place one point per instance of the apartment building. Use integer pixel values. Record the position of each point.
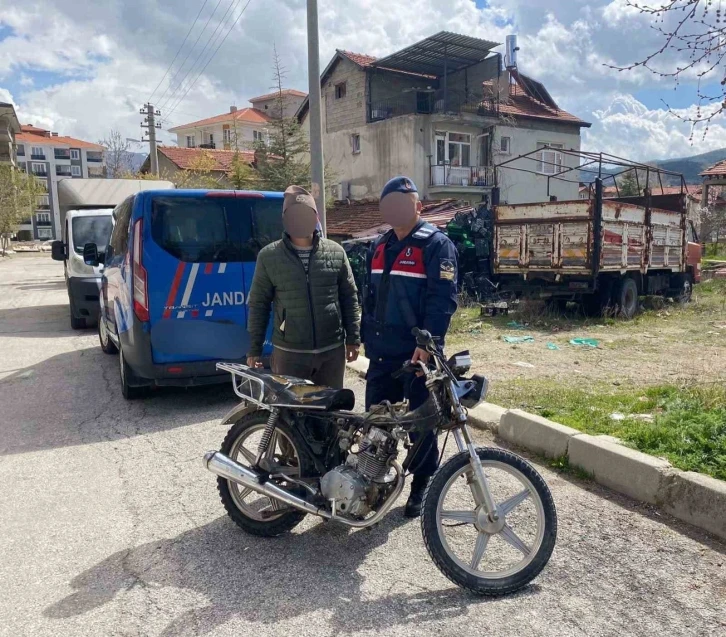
(9, 128)
(446, 111)
(239, 129)
(51, 158)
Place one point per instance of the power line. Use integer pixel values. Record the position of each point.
(181, 46)
(171, 81)
(232, 6)
(212, 57)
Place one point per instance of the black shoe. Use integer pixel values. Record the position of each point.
(415, 499)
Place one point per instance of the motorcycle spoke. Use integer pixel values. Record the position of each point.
(467, 517)
(243, 493)
(247, 455)
(479, 548)
(511, 503)
(511, 538)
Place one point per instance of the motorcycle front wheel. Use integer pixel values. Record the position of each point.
(253, 512)
(485, 556)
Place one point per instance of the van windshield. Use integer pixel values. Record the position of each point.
(91, 229)
(215, 229)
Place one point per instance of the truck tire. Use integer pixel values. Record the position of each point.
(625, 297)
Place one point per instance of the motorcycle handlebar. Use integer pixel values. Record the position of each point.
(423, 337)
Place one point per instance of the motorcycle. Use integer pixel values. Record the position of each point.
(488, 518)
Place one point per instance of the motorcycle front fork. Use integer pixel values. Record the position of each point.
(478, 482)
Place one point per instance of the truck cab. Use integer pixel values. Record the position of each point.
(82, 281)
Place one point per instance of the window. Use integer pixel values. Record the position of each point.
(95, 229)
(75, 154)
(459, 149)
(340, 91)
(45, 233)
(550, 161)
(355, 141)
(211, 139)
(258, 136)
(36, 152)
(227, 136)
(21, 150)
(119, 241)
(63, 170)
(42, 217)
(190, 141)
(505, 145)
(38, 169)
(76, 171)
(214, 229)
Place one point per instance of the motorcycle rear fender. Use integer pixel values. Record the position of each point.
(238, 412)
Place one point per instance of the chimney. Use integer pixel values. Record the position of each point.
(54, 134)
(47, 133)
(232, 109)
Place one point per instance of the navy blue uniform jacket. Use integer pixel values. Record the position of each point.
(410, 283)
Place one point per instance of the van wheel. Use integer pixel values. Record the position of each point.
(77, 323)
(625, 297)
(106, 343)
(127, 375)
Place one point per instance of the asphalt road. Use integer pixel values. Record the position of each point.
(109, 525)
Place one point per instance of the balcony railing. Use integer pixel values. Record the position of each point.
(424, 103)
(61, 153)
(47, 223)
(40, 172)
(94, 156)
(43, 203)
(63, 171)
(210, 146)
(40, 156)
(464, 176)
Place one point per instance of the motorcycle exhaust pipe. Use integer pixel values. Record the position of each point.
(225, 467)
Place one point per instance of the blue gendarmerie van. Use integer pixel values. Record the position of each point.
(177, 271)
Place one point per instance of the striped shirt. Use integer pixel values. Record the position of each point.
(304, 254)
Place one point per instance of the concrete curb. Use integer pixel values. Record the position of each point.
(691, 497)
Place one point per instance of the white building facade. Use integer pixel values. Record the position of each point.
(51, 158)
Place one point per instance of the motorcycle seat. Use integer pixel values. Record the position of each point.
(288, 390)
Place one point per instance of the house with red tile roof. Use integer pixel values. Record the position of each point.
(444, 111)
(173, 160)
(51, 158)
(240, 128)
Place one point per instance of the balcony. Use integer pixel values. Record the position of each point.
(43, 223)
(63, 171)
(43, 203)
(40, 172)
(40, 156)
(210, 146)
(458, 177)
(62, 153)
(94, 156)
(428, 103)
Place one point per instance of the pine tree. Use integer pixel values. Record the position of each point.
(628, 185)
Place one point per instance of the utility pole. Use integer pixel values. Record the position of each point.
(317, 162)
(150, 125)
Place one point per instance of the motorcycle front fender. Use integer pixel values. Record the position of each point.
(238, 412)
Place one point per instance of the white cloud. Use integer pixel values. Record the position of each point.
(109, 56)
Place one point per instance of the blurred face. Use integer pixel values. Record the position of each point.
(400, 209)
(299, 221)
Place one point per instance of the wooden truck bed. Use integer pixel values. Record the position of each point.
(560, 237)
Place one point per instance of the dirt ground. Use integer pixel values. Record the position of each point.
(671, 345)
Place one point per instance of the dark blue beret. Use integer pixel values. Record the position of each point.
(398, 184)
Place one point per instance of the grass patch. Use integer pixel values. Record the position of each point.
(563, 465)
(688, 424)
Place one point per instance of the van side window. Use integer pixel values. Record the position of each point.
(120, 235)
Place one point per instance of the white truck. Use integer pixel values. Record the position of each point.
(86, 212)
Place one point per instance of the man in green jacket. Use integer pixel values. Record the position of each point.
(309, 283)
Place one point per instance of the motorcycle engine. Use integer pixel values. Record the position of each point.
(357, 485)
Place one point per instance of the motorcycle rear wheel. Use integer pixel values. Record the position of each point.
(525, 507)
(252, 512)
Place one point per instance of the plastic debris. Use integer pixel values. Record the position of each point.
(515, 325)
(552, 346)
(584, 342)
(523, 364)
(617, 416)
(518, 339)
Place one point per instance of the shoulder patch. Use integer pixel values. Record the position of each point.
(424, 232)
(447, 269)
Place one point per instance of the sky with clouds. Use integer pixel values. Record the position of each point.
(82, 68)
